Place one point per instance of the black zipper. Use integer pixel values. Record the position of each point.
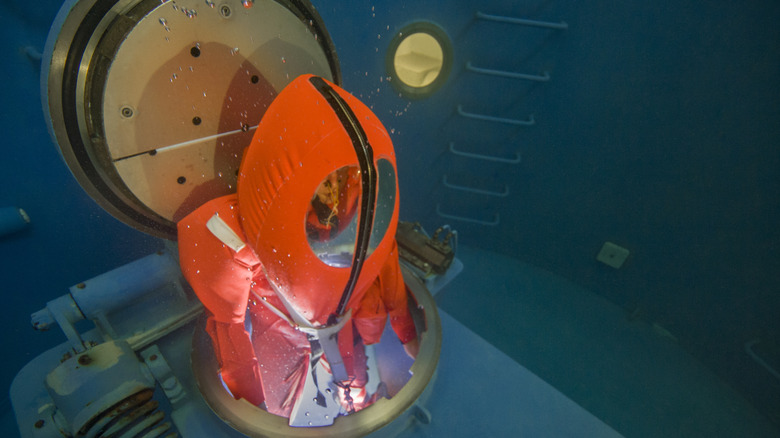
(368, 174)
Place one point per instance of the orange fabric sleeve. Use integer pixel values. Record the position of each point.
(386, 296)
(371, 316)
(394, 296)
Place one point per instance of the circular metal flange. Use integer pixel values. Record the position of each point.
(152, 102)
(253, 421)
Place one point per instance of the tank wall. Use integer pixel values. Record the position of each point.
(658, 131)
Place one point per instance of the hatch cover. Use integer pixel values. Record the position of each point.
(152, 103)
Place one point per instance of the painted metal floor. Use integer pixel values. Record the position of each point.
(630, 374)
(481, 391)
(525, 353)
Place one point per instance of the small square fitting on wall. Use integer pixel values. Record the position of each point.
(612, 255)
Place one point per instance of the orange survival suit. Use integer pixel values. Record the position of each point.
(307, 246)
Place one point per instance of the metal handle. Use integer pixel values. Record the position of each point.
(514, 160)
(522, 21)
(529, 122)
(501, 194)
(496, 219)
(507, 74)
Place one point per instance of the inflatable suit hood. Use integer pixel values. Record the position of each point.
(317, 196)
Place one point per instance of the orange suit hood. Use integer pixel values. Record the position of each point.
(312, 131)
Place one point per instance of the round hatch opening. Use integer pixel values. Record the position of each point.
(419, 59)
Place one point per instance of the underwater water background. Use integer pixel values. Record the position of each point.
(659, 130)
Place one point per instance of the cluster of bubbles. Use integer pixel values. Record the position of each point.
(190, 13)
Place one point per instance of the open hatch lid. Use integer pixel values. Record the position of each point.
(152, 102)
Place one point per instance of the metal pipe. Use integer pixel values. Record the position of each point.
(12, 219)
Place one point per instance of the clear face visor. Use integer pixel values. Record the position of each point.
(333, 215)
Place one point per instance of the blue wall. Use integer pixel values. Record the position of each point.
(659, 131)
